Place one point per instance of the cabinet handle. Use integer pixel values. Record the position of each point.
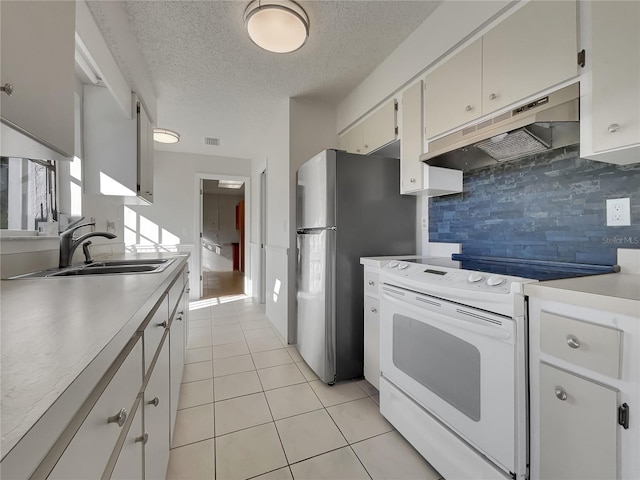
(614, 127)
(181, 312)
(372, 283)
(149, 193)
(374, 310)
(144, 438)
(561, 394)
(155, 402)
(118, 418)
(357, 150)
(468, 108)
(163, 324)
(573, 341)
(493, 96)
(366, 146)
(7, 88)
(179, 318)
(413, 180)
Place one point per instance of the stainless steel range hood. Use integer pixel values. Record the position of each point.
(541, 125)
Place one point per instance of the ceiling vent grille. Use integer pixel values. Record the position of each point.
(211, 141)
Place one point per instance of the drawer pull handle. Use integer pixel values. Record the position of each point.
(7, 88)
(155, 402)
(181, 312)
(180, 318)
(163, 324)
(372, 283)
(468, 108)
(144, 438)
(118, 418)
(493, 96)
(614, 127)
(561, 394)
(374, 310)
(573, 341)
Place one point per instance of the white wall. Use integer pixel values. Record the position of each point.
(173, 218)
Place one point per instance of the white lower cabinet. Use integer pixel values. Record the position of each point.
(89, 451)
(129, 463)
(372, 326)
(176, 358)
(157, 417)
(576, 416)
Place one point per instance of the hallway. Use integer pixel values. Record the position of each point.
(220, 284)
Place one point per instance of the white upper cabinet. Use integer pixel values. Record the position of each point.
(530, 51)
(374, 132)
(610, 84)
(453, 93)
(38, 66)
(118, 151)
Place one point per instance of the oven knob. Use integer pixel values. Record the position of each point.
(402, 266)
(494, 281)
(393, 264)
(475, 277)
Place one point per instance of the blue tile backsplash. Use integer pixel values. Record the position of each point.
(550, 206)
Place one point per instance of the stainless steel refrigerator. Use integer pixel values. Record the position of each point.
(348, 206)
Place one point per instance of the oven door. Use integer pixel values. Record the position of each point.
(458, 363)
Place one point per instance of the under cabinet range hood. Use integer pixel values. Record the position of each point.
(544, 124)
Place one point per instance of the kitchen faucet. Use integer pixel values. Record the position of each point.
(68, 243)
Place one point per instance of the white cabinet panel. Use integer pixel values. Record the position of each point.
(352, 140)
(37, 57)
(532, 50)
(379, 129)
(145, 155)
(89, 451)
(157, 417)
(153, 333)
(176, 359)
(611, 95)
(372, 341)
(411, 141)
(578, 427)
(453, 93)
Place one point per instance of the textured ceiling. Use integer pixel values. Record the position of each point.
(211, 81)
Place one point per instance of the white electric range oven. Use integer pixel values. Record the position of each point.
(453, 366)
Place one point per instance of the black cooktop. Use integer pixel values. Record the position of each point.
(534, 269)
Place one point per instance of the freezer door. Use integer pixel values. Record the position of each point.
(315, 192)
(316, 305)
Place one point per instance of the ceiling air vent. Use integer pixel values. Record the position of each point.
(211, 141)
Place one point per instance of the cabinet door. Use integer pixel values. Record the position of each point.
(37, 59)
(615, 75)
(453, 91)
(89, 451)
(411, 139)
(145, 155)
(380, 128)
(157, 417)
(176, 361)
(352, 140)
(372, 341)
(153, 333)
(533, 49)
(578, 423)
(129, 463)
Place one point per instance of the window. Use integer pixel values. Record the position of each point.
(27, 193)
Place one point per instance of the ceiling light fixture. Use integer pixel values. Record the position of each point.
(230, 184)
(279, 26)
(163, 135)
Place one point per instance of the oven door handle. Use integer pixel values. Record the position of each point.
(469, 324)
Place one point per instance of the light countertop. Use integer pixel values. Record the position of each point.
(614, 292)
(54, 328)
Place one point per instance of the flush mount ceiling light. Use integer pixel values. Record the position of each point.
(230, 184)
(163, 135)
(279, 26)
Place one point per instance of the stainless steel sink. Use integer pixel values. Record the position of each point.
(110, 267)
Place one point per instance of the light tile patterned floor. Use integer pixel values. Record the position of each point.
(250, 407)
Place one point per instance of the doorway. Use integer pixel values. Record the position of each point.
(222, 238)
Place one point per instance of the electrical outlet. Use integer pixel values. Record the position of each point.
(618, 212)
(425, 223)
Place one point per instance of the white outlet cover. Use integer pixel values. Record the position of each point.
(618, 212)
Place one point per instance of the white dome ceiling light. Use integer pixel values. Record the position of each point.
(279, 26)
(163, 135)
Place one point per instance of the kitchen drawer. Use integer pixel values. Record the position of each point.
(175, 292)
(153, 333)
(585, 344)
(89, 451)
(371, 283)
